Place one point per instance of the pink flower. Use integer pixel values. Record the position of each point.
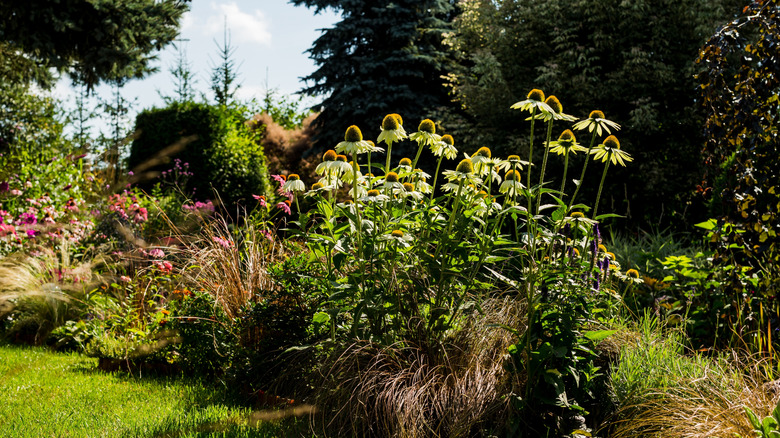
(16, 192)
(267, 235)
(156, 253)
(261, 200)
(223, 242)
(6, 229)
(124, 279)
(166, 267)
(141, 215)
(285, 206)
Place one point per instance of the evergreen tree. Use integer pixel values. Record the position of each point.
(223, 75)
(91, 40)
(382, 57)
(183, 78)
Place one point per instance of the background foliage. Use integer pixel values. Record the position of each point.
(632, 60)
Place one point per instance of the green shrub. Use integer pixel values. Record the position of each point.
(220, 151)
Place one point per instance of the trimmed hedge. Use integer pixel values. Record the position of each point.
(225, 157)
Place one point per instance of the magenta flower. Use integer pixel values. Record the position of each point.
(261, 200)
(27, 219)
(285, 206)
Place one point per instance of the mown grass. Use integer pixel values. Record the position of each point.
(45, 394)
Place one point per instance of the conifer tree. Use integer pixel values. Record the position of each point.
(382, 57)
(91, 40)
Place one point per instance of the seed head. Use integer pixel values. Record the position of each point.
(446, 138)
(293, 177)
(398, 118)
(484, 152)
(390, 123)
(428, 126)
(465, 166)
(555, 104)
(632, 273)
(373, 193)
(612, 142)
(536, 94)
(577, 214)
(408, 187)
(341, 158)
(596, 114)
(353, 134)
(567, 136)
(397, 233)
(405, 162)
(391, 177)
(329, 155)
(317, 185)
(513, 175)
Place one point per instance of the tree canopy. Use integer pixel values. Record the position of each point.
(90, 40)
(382, 57)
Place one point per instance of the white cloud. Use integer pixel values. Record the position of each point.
(243, 27)
(188, 22)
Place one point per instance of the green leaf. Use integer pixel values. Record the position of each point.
(321, 318)
(708, 225)
(599, 335)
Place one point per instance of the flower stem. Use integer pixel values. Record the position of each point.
(584, 168)
(530, 161)
(544, 164)
(565, 170)
(389, 151)
(417, 157)
(436, 177)
(601, 186)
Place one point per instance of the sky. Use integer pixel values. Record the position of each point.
(270, 39)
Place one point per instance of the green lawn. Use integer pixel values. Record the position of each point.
(45, 394)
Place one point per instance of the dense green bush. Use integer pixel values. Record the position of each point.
(220, 151)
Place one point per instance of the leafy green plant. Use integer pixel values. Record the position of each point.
(768, 427)
(399, 264)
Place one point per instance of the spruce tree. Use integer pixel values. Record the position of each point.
(382, 57)
(91, 40)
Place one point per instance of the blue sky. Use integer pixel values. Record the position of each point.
(269, 36)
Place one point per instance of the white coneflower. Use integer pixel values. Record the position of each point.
(512, 185)
(596, 121)
(294, 184)
(404, 167)
(409, 191)
(374, 196)
(391, 181)
(511, 162)
(464, 172)
(445, 147)
(327, 164)
(353, 142)
(341, 165)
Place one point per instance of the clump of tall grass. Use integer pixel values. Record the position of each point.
(42, 292)
(455, 388)
(231, 263)
(663, 392)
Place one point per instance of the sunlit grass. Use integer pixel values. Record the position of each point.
(64, 395)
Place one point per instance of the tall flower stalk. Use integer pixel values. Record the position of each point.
(595, 123)
(608, 152)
